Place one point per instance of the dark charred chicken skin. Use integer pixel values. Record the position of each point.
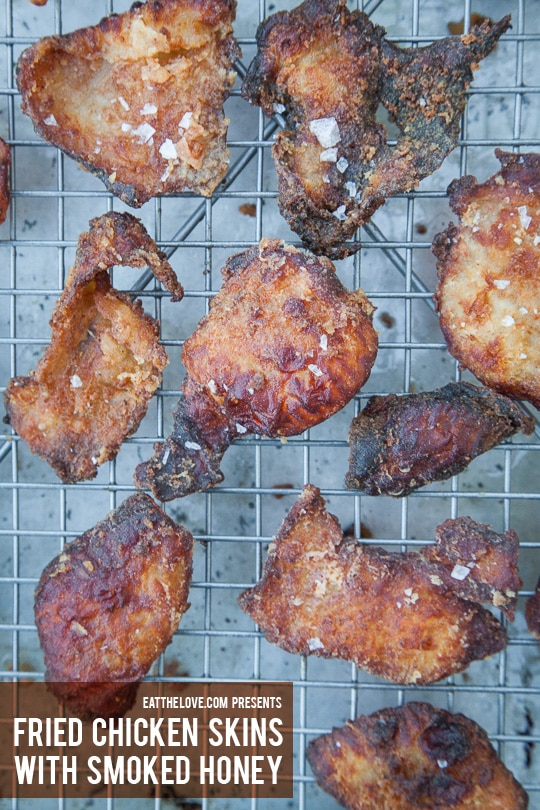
(108, 605)
(284, 346)
(400, 443)
(413, 617)
(413, 756)
(5, 162)
(326, 69)
(91, 388)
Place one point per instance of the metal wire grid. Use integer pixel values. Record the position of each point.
(234, 523)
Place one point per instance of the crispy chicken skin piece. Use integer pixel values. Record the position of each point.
(532, 612)
(138, 98)
(326, 70)
(488, 296)
(284, 346)
(91, 388)
(399, 443)
(410, 617)
(413, 756)
(108, 605)
(5, 162)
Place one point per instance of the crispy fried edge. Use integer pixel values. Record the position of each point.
(5, 162)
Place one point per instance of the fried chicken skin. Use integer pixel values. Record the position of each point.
(413, 756)
(410, 617)
(488, 296)
(91, 388)
(108, 605)
(327, 70)
(284, 346)
(5, 162)
(400, 443)
(138, 98)
(532, 612)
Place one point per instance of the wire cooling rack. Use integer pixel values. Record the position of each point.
(53, 201)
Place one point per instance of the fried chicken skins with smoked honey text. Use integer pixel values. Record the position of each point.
(108, 605)
(326, 70)
(412, 617)
(488, 295)
(284, 346)
(138, 98)
(413, 756)
(400, 443)
(92, 386)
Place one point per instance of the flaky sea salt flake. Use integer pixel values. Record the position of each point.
(315, 644)
(329, 155)
(460, 572)
(167, 150)
(192, 446)
(144, 132)
(524, 217)
(326, 130)
(185, 121)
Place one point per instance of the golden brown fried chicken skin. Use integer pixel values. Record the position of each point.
(93, 384)
(5, 162)
(138, 98)
(108, 605)
(488, 295)
(410, 617)
(400, 443)
(413, 756)
(326, 70)
(532, 612)
(284, 346)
